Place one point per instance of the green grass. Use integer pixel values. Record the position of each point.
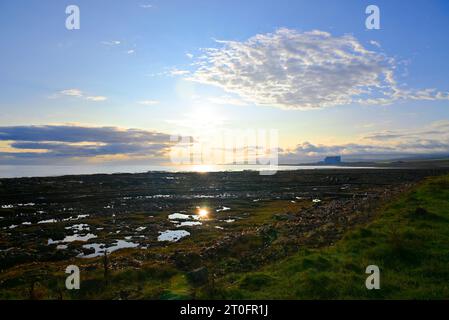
(408, 240)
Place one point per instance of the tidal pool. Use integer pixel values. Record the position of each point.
(78, 217)
(179, 216)
(47, 221)
(172, 235)
(189, 224)
(223, 209)
(79, 227)
(73, 238)
(100, 248)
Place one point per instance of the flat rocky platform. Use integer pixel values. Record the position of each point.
(154, 217)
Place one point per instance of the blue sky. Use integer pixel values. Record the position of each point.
(137, 64)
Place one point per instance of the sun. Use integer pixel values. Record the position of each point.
(203, 213)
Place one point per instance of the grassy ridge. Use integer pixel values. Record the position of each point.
(409, 241)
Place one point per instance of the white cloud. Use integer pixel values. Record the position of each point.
(111, 43)
(131, 51)
(77, 93)
(148, 102)
(172, 72)
(72, 92)
(375, 43)
(177, 72)
(189, 55)
(294, 70)
(96, 98)
(146, 6)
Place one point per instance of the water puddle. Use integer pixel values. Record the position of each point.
(30, 204)
(47, 221)
(172, 235)
(189, 224)
(78, 217)
(78, 227)
(100, 248)
(73, 238)
(179, 216)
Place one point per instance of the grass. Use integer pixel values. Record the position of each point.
(408, 240)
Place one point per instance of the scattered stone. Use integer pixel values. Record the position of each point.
(198, 277)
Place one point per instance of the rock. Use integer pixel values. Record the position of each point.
(198, 276)
(87, 251)
(269, 233)
(186, 261)
(421, 212)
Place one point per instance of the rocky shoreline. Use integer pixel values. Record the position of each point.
(253, 218)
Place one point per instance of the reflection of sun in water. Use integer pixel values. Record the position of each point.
(203, 213)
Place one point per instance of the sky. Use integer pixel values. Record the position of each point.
(138, 73)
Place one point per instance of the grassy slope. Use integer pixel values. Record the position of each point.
(410, 246)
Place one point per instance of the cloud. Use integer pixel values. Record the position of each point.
(67, 142)
(171, 72)
(375, 43)
(146, 6)
(77, 93)
(430, 140)
(308, 70)
(71, 93)
(96, 98)
(177, 72)
(111, 43)
(148, 102)
(437, 130)
(131, 51)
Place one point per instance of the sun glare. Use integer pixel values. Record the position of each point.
(203, 213)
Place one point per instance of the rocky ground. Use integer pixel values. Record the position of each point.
(251, 219)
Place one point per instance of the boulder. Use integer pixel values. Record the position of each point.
(198, 276)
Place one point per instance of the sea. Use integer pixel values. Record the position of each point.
(20, 171)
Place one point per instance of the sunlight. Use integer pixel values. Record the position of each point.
(203, 213)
